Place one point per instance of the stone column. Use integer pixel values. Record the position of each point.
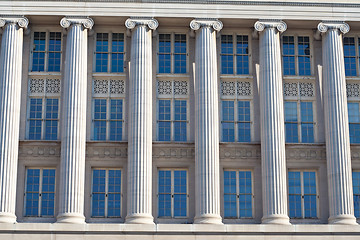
(273, 162)
(207, 179)
(139, 201)
(73, 134)
(10, 94)
(338, 156)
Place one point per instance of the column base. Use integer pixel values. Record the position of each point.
(139, 219)
(345, 219)
(208, 219)
(279, 219)
(6, 217)
(70, 218)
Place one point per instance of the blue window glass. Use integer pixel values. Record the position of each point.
(354, 122)
(51, 119)
(304, 56)
(228, 121)
(164, 53)
(227, 54)
(99, 119)
(32, 192)
(39, 49)
(356, 190)
(242, 55)
(295, 195)
(116, 116)
(245, 194)
(35, 118)
(117, 55)
(230, 194)
(244, 129)
(291, 122)
(164, 120)
(98, 193)
(114, 193)
(180, 53)
(54, 58)
(180, 120)
(289, 55)
(164, 204)
(101, 52)
(307, 123)
(349, 56)
(180, 193)
(48, 192)
(309, 195)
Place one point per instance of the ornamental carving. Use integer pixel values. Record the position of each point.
(180, 87)
(84, 21)
(244, 89)
(36, 86)
(196, 24)
(174, 152)
(278, 24)
(228, 88)
(117, 86)
(21, 21)
(100, 86)
(353, 90)
(164, 88)
(131, 23)
(323, 27)
(306, 89)
(290, 89)
(29, 149)
(52, 86)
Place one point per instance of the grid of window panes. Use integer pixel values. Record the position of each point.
(294, 124)
(302, 194)
(178, 122)
(172, 193)
(46, 54)
(234, 54)
(172, 53)
(40, 192)
(43, 120)
(354, 121)
(106, 193)
(296, 55)
(237, 194)
(350, 56)
(109, 52)
(356, 190)
(108, 119)
(239, 119)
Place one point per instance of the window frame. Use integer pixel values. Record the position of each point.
(358, 171)
(352, 99)
(356, 56)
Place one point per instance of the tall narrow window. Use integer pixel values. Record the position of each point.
(172, 193)
(46, 53)
(109, 52)
(106, 193)
(43, 109)
(356, 190)
(354, 121)
(350, 56)
(302, 194)
(172, 111)
(296, 55)
(40, 192)
(172, 53)
(238, 197)
(234, 54)
(108, 107)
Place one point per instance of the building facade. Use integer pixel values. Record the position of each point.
(179, 119)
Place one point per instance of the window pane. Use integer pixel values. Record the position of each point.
(245, 191)
(230, 210)
(180, 193)
(350, 56)
(98, 193)
(304, 56)
(51, 119)
(164, 193)
(228, 128)
(180, 202)
(307, 126)
(310, 194)
(38, 63)
(294, 195)
(242, 50)
(99, 114)
(32, 192)
(289, 55)
(227, 58)
(356, 189)
(354, 122)
(114, 193)
(164, 126)
(48, 193)
(164, 53)
(180, 115)
(35, 120)
(291, 128)
(102, 48)
(244, 121)
(54, 52)
(117, 56)
(227, 62)
(180, 53)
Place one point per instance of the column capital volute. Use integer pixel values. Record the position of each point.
(270, 23)
(324, 26)
(86, 22)
(21, 21)
(198, 23)
(132, 22)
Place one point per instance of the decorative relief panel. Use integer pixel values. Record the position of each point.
(306, 153)
(355, 153)
(117, 86)
(353, 89)
(174, 152)
(306, 89)
(290, 89)
(36, 85)
(164, 87)
(100, 86)
(53, 86)
(240, 152)
(28, 150)
(180, 87)
(105, 152)
(244, 88)
(228, 88)
(301, 89)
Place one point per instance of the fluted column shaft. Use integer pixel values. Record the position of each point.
(139, 190)
(338, 156)
(207, 179)
(273, 162)
(73, 139)
(10, 90)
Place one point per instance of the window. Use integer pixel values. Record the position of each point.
(356, 190)
(172, 52)
(299, 112)
(238, 197)
(302, 194)
(46, 53)
(353, 96)
(108, 115)
(43, 109)
(296, 55)
(236, 111)
(109, 52)
(172, 193)
(235, 54)
(106, 193)
(172, 111)
(350, 55)
(40, 192)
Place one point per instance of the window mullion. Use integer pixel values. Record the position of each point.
(302, 194)
(40, 192)
(106, 191)
(237, 194)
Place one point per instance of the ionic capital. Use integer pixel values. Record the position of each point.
(198, 23)
(86, 22)
(21, 21)
(278, 24)
(131, 23)
(323, 27)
